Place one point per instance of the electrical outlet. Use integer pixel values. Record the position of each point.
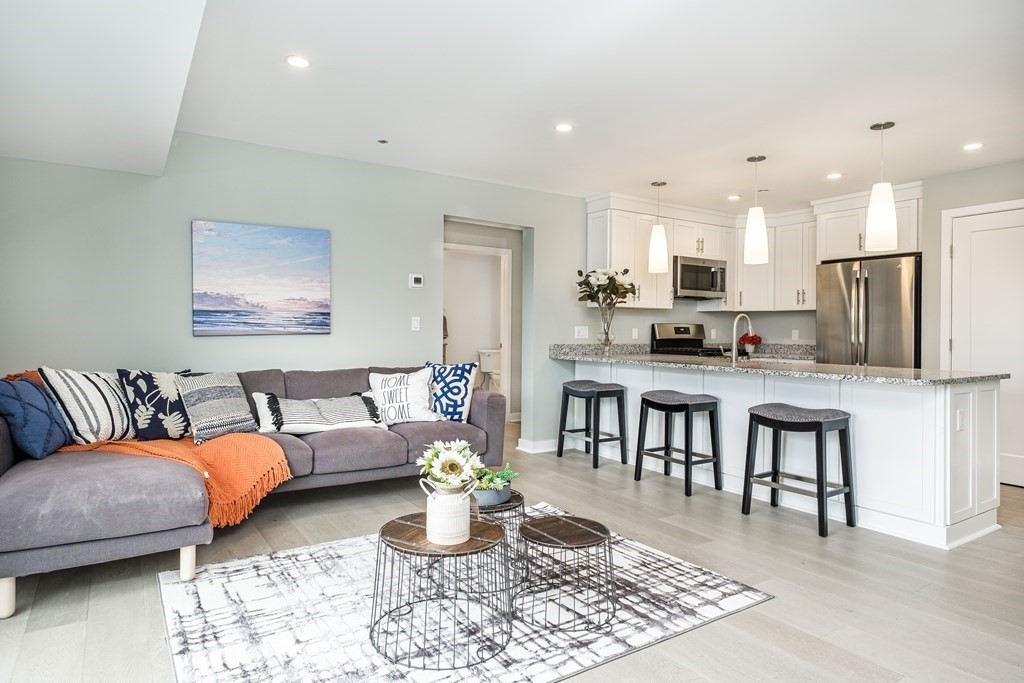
(636, 333)
(796, 334)
(714, 334)
(415, 323)
(582, 332)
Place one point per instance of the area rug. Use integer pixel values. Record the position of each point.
(304, 614)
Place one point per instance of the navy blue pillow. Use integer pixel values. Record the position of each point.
(37, 427)
(155, 404)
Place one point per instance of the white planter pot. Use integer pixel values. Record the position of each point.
(447, 512)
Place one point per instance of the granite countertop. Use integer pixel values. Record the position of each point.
(767, 366)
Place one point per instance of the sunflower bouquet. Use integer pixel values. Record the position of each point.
(451, 463)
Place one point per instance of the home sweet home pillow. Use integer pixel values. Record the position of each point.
(451, 389)
(93, 404)
(403, 397)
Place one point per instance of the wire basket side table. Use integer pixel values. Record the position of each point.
(440, 607)
(571, 586)
(510, 515)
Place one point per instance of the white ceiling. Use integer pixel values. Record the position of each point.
(671, 90)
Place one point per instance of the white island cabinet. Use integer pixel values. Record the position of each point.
(924, 442)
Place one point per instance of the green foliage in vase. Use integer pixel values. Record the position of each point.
(605, 287)
(489, 480)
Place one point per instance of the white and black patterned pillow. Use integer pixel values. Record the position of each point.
(403, 397)
(292, 416)
(451, 389)
(155, 405)
(216, 405)
(93, 404)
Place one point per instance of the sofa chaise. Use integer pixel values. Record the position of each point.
(79, 508)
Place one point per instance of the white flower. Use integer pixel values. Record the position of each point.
(599, 279)
(624, 279)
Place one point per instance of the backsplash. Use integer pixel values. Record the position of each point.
(765, 350)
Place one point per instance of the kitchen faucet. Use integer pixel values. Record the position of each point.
(750, 330)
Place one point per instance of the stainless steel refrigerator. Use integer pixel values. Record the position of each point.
(869, 311)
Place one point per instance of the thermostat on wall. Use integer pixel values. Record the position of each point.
(415, 281)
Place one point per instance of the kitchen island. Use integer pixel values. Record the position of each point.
(925, 442)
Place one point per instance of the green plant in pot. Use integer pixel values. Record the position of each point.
(494, 487)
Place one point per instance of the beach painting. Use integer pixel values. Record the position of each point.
(260, 279)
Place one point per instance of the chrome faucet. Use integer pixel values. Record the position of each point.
(736, 344)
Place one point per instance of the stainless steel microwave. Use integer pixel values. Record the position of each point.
(698, 278)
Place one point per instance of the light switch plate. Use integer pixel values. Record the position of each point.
(796, 335)
(714, 334)
(582, 332)
(415, 323)
(636, 333)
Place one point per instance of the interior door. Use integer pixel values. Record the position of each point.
(890, 311)
(986, 284)
(836, 321)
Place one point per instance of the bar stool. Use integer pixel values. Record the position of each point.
(672, 402)
(592, 392)
(782, 417)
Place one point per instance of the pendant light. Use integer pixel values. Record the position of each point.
(657, 250)
(880, 233)
(755, 240)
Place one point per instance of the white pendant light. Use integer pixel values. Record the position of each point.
(880, 233)
(657, 251)
(755, 240)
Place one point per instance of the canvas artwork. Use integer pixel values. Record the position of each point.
(260, 279)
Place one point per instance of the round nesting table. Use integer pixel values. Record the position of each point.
(510, 515)
(440, 607)
(571, 586)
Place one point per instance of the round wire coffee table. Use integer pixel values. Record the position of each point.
(571, 586)
(510, 515)
(440, 607)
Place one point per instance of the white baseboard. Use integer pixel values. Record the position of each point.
(1011, 469)
(545, 446)
(515, 417)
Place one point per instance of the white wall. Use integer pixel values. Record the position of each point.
(472, 302)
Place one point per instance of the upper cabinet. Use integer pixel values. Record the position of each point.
(795, 266)
(619, 240)
(842, 221)
(755, 287)
(698, 240)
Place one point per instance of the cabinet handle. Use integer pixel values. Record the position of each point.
(860, 241)
(702, 245)
(797, 297)
(741, 297)
(804, 296)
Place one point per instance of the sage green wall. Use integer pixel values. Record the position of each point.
(968, 188)
(96, 265)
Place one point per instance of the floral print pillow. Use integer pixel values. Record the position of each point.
(156, 408)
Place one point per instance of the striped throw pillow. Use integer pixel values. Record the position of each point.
(216, 405)
(93, 404)
(291, 416)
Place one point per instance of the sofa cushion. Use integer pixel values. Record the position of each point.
(451, 389)
(94, 404)
(419, 435)
(308, 416)
(303, 384)
(154, 404)
(36, 425)
(348, 450)
(216, 405)
(76, 497)
(296, 451)
(403, 397)
(263, 381)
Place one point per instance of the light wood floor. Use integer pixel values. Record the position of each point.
(856, 606)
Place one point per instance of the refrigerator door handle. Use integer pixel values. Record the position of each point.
(864, 318)
(854, 291)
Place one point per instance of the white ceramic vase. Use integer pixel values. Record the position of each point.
(448, 510)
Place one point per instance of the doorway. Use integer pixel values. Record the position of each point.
(478, 312)
(981, 285)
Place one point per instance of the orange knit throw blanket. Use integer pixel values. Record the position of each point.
(240, 469)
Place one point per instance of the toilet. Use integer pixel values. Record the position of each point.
(490, 369)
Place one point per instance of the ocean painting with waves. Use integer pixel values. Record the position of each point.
(260, 279)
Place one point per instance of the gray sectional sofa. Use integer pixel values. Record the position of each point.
(73, 509)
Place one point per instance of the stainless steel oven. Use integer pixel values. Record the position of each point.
(698, 278)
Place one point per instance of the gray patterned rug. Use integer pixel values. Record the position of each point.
(303, 615)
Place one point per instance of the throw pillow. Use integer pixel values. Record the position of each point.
(154, 404)
(292, 416)
(36, 425)
(216, 405)
(403, 397)
(451, 389)
(93, 404)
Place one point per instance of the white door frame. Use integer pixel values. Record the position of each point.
(946, 286)
(505, 324)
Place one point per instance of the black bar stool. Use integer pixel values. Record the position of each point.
(782, 417)
(592, 392)
(672, 402)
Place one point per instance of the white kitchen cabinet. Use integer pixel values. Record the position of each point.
(972, 476)
(841, 233)
(755, 286)
(698, 240)
(795, 267)
(619, 240)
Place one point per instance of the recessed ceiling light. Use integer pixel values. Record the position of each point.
(734, 197)
(972, 146)
(297, 61)
(564, 127)
(835, 175)
(382, 141)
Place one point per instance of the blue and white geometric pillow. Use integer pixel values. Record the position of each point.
(451, 390)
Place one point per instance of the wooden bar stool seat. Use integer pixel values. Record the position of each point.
(782, 417)
(592, 392)
(671, 402)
